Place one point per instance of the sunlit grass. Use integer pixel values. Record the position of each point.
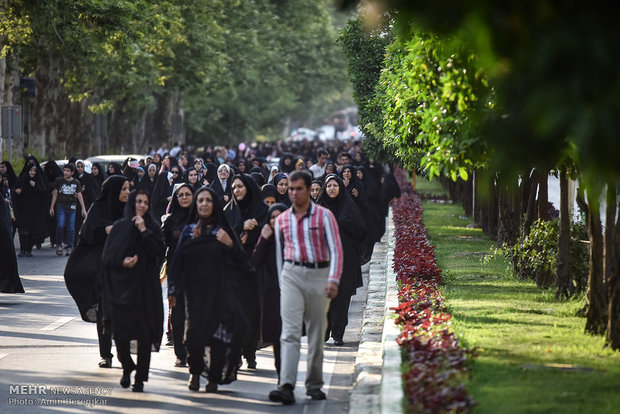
(533, 356)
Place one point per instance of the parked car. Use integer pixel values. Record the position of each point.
(61, 163)
(105, 160)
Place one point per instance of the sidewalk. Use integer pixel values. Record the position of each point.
(377, 386)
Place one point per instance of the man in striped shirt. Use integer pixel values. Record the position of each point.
(309, 258)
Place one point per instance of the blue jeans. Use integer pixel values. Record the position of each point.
(65, 216)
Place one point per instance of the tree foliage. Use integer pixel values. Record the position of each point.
(233, 69)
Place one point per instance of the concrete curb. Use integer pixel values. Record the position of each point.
(377, 386)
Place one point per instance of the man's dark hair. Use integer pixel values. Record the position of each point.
(301, 175)
(69, 166)
(321, 151)
(345, 154)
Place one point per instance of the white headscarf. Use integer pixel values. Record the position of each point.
(223, 182)
(271, 174)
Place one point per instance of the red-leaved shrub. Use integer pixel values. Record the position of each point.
(433, 359)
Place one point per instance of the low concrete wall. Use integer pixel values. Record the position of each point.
(377, 387)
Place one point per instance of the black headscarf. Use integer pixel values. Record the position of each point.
(389, 190)
(24, 178)
(178, 216)
(281, 207)
(258, 178)
(106, 209)
(218, 218)
(52, 171)
(210, 173)
(102, 174)
(270, 190)
(337, 204)
(10, 173)
(291, 166)
(186, 179)
(281, 198)
(117, 169)
(251, 206)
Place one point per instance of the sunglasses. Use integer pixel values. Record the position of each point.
(174, 172)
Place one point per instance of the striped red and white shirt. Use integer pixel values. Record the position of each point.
(314, 238)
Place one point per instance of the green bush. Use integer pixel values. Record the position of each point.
(534, 256)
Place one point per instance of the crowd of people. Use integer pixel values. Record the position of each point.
(254, 253)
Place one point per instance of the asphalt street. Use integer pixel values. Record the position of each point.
(49, 357)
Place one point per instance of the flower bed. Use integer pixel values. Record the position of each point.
(433, 360)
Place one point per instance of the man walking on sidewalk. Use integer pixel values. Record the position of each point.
(309, 258)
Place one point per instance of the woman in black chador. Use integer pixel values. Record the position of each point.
(281, 183)
(9, 276)
(30, 200)
(205, 269)
(337, 199)
(182, 198)
(264, 257)
(222, 185)
(247, 213)
(162, 191)
(133, 254)
(83, 271)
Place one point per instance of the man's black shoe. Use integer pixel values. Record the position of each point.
(283, 394)
(126, 380)
(316, 394)
(138, 386)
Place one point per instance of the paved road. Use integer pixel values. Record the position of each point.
(45, 346)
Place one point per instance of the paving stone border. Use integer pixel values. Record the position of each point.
(377, 386)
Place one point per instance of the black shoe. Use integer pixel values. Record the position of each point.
(194, 382)
(338, 342)
(180, 363)
(105, 363)
(283, 394)
(251, 364)
(211, 387)
(316, 394)
(126, 379)
(138, 386)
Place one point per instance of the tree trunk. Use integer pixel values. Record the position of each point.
(543, 195)
(613, 322)
(508, 216)
(45, 115)
(596, 307)
(492, 223)
(530, 214)
(467, 196)
(564, 286)
(526, 184)
(610, 224)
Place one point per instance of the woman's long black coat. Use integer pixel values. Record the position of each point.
(132, 296)
(203, 269)
(352, 232)
(32, 205)
(83, 270)
(9, 276)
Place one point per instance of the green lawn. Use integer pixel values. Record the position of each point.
(533, 356)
